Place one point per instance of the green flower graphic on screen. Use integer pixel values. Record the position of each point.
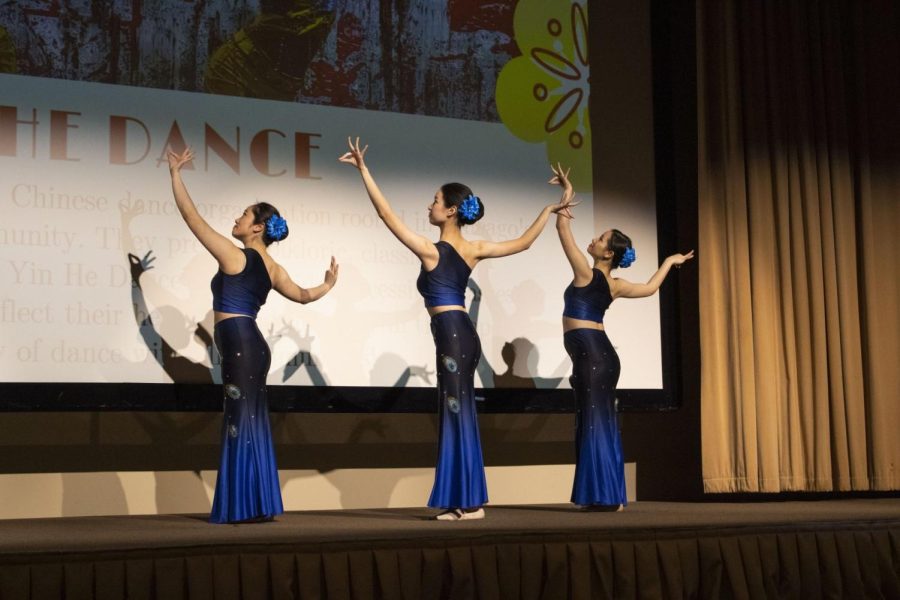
(542, 96)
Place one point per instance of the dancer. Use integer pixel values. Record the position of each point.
(247, 487)
(459, 485)
(599, 468)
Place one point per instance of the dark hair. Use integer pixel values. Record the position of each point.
(618, 242)
(262, 212)
(454, 194)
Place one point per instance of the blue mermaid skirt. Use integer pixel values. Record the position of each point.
(599, 467)
(247, 486)
(459, 476)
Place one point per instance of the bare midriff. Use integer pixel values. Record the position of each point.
(221, 316)
(569, 324)
(436, 310)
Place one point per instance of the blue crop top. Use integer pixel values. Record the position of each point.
(445, 284)
(245, 292)
(589, 302)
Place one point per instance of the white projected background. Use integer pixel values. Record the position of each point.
(86, 185)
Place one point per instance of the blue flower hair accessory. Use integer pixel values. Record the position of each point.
(469, 208)
(276, 228)
(627, 258)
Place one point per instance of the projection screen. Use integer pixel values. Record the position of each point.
(103, 282)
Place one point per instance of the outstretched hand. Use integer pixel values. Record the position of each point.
(130, 209)
(139, 266)
(561, 178)
(177, 161)
(680, 259)
(331, 274)
(303, 341)
(423, 372)
(355, 155)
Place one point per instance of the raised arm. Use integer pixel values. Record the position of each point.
(581, 268)
(486, 249)
(622, 288)
(284, 285)
(419, 244)
(229, 256)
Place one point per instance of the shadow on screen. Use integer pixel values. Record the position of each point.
(520, 357)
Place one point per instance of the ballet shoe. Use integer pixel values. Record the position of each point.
(458, 514)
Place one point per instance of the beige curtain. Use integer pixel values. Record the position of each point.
(799, 219)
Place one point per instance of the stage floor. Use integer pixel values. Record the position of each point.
(639, 520)
(842, 548)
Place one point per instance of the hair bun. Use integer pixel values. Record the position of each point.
(627, 258)
(276, 228)
(471, 208)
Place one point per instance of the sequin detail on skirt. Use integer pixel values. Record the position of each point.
(247, 485)
(599, 467)
(459, 480)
